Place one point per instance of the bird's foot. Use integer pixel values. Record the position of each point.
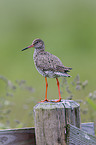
(57, 100)
(46, 100)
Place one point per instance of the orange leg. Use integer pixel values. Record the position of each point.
(46, 91)
(58, 91)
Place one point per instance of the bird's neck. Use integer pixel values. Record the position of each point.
(38, 50)
(41, 48)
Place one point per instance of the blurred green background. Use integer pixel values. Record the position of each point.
(68, 29)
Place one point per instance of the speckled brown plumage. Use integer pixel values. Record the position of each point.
(48, 64)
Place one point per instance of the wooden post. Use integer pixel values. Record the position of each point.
(51, 120)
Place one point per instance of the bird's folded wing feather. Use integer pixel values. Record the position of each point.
(47, 61)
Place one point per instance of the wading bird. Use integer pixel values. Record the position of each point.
(48, 65)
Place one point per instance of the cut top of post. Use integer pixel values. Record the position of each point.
(70, 108)
(52, 105)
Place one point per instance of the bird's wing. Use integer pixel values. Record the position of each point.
(47, 61)
(61, 68)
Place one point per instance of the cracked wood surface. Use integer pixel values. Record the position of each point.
(51, 120)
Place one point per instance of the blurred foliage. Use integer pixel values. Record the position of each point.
(87, 103)
(70, 90)
(68, 29)
(92, 103)
(7, 103)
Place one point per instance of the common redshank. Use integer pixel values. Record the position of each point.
(48, 65)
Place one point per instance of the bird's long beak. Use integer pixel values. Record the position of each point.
(28, 47)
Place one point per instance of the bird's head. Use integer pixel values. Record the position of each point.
(37, 44)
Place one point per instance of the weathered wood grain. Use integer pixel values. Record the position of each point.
(24, 136)
(76, 136)
(51, 120)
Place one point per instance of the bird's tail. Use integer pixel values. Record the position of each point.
(62, 74)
